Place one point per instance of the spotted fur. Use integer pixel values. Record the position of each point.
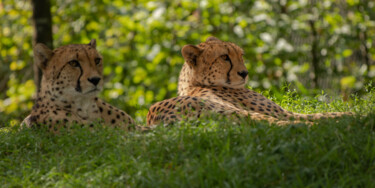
(72, 79)
(214, 73)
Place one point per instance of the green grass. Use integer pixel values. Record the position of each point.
(211, 152)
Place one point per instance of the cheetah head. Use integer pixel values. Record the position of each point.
(216, 63)
(71, 71)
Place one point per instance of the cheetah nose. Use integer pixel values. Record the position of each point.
(243, 74)
(94, 80)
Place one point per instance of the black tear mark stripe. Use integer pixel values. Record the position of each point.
(78, 88)
(59, 73)
(230, 69)
(228, 74)
(231, 64)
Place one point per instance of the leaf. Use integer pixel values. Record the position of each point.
(347, 82)
(347, 53)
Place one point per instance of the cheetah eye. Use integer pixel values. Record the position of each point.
(97, 61)
(74, 63)
(225, 57)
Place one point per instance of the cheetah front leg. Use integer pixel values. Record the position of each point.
(174, 109)
(26, 122)
(116, 117)
(54, 119)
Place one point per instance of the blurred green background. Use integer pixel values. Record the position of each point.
(308, 45)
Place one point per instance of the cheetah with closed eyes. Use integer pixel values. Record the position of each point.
(213, 78)
(72, 79)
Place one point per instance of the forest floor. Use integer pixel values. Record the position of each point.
(209, 152)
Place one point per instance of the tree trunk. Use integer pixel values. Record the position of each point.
(315, 54)
(42, 31)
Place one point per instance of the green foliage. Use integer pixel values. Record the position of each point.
(141, 43)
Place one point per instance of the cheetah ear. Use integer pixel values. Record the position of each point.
(212, 38)
(93, 43)
(42, 54)
(190, 54)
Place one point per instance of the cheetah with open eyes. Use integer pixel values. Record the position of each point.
(213, 78)
(72, 79)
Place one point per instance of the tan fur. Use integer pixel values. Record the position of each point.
(215, 74)
(72, 79)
